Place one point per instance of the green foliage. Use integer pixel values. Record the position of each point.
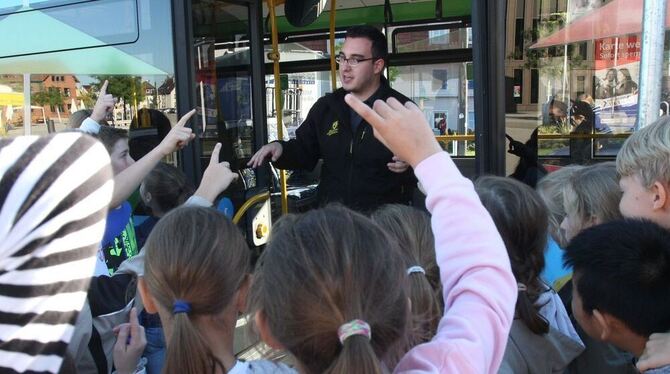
(124, 87)
(546, 58)
(52, 96)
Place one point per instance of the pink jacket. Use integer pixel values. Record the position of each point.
(479, 288)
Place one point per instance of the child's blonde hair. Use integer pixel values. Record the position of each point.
(593, 191)
(646, 153)
(550, 189)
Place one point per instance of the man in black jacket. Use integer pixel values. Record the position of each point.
(357, 170)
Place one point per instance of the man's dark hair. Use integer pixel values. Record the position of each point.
(623, 269)
(379, 45)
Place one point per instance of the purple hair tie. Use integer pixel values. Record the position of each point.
(181, 306)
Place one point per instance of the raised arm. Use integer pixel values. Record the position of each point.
(127, 181)
(478, 285)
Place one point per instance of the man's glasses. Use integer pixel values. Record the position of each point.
(351, 61)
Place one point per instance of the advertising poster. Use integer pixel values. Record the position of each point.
(617, 71)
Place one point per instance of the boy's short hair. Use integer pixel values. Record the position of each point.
(646, 153)
(379, 44)
(109, 136)
(623, 269)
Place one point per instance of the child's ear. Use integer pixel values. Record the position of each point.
(604, 324)
(660, 191)
(264, 331)
(147, 299)
(242, 293)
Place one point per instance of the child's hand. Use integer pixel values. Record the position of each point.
(104, 105)
(130, 343)
(178, 137)
(216, 178)
(656, 354)
(402, 129)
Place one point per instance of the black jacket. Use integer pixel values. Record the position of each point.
(354, 170)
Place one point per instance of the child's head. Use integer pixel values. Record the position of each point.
(147, 130)
(550, 189)
(643, 164)
(78, 117)
(195, 276)
(116, 142)
(320, 271)
(165, 188)
(620, 282)
(591, 197)
(411, 229)
(521, 219)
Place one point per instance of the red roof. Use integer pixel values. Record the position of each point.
(619, 17)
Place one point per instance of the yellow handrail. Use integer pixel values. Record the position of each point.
(333, 67)
(274, 56)
(248, 204)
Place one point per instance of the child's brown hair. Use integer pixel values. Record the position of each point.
(410, 228)
(198, 256)
(521, 219)
(324, 269)
(168, 186)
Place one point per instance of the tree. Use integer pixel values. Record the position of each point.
(87, 98)
(52, 96)
(124, 87)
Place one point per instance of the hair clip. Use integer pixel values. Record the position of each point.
(415, 269)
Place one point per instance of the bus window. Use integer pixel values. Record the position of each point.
(579, 82)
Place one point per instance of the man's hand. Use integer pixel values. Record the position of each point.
(402, 129)
(216, 178)
(130, 343)
(178, 137)
(398, 165)
(273, 150)
(103, 106)
(656, 353)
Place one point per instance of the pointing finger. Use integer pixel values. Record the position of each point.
(103, 89)
(364, 111)
(215, 154)
(183, 120)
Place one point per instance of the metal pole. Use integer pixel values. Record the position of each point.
(274, 56)
(651, 63)
(27, 121)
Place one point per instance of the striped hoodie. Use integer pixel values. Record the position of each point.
(54, 193)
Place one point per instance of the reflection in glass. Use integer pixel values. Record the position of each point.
(445, 94)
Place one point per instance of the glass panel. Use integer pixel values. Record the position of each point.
(432, 40)
(141, 76)
(11, 6)
(445, 94)
(223, 81)
(305, 50)
(92, 24)
(300, 92)
(583, 78)
(11, 105)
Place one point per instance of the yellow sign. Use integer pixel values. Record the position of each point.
(11, 98)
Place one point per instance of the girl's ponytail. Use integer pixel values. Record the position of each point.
(357, 357)
(187, 351)
(196, 262)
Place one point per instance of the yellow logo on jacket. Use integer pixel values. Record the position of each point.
(334, 129)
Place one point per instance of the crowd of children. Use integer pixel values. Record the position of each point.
(492, 277)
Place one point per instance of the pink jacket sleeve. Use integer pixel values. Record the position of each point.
(479, 288)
